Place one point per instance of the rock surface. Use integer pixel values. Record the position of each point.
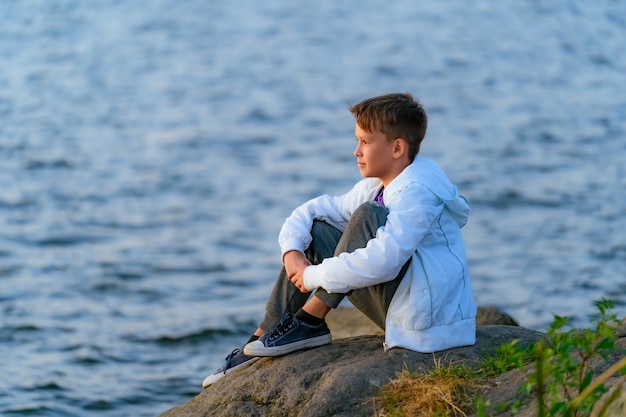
(340, 379)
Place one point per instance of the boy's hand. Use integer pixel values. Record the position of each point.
(295, 264)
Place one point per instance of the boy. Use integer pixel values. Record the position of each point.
(392, 245)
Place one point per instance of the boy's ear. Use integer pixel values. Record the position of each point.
(400, 147)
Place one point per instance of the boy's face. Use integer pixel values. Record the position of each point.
(375, 155)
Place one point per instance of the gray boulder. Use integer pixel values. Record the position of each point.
(340, 379)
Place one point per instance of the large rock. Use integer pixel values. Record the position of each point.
(343, 378)
(340, 379)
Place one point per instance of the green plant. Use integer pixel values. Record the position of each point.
(562, 376)
(558, 371)
(508, 356)
(562, 368)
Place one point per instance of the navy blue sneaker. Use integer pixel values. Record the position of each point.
(288, 336)
(234, 360)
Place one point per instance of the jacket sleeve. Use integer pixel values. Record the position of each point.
(412, 211)
(295, 233)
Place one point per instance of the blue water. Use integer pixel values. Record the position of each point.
(149, 152)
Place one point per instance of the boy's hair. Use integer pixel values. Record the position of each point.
(394, 115)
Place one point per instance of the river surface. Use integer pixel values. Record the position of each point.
(150, 151)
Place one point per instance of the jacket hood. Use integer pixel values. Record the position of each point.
(432, 176)
(459, 209)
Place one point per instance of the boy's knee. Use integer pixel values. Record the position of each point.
(319, 227)
(369, 211)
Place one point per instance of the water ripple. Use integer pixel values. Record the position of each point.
(149, 152)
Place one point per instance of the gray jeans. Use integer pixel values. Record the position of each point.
(329, 241)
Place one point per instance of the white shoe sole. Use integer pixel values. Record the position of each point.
(211, 379)
(257, 348)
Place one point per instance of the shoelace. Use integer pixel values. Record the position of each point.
(229, 358)
(286, 323)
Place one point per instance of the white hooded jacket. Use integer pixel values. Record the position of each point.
(433, 308)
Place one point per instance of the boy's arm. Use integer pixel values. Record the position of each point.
(412, 211)
(295, 236)
(295, 233)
